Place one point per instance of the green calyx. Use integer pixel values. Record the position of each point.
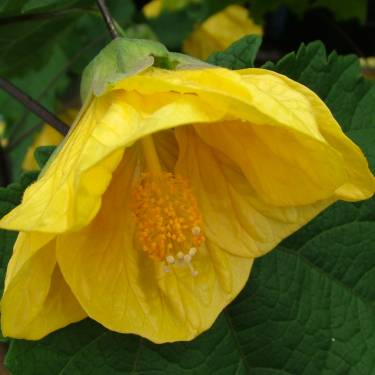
(124, 57)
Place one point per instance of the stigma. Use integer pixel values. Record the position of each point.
(168, 219)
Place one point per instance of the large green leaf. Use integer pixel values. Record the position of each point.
(309, 305)
(27, 43)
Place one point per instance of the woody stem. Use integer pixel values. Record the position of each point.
(34, 106)
(107, 18)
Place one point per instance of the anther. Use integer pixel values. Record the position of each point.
(192, 251)
(187, 258)
(170, 259)
(196, 231)
(193, 271)
(180, 255)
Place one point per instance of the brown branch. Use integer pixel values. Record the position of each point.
(107, 18)
(34, 106)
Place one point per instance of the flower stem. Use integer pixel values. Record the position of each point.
(34, 106)
(107, 18)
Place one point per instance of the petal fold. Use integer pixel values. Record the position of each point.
(37, 299)
(68, 194)
(122, 288)
(235, 217)
(360, 182)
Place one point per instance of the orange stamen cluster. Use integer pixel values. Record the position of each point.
(168, 219)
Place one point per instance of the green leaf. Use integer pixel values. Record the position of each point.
(309, 306)
(30, 30)
(45, 85)
(18, 7)
(120, 58)
(37, 5)
(241, 54)
(42, 154)
(27, 42)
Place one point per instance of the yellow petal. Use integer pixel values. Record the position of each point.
(153, 8)
(68, 195)
(235, 218)
(47, 136)
(122, 288)
(360, 182)
(265, 99)
(255, 95)
(219, 31)
(37, 299)
(284, 168)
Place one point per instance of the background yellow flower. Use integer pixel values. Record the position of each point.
(214, 34)
(219, 31)
(48, 136)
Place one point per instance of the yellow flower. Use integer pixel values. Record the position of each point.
(47, 137)
(155, 7)
(165, 190)
(3, 140)
(214, 34)
(220, 31)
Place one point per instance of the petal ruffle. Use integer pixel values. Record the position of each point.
(37, 299)
(284, 168)
(68, 195)
(294, 114)
(235, 218)
(122, 288)
(360, 183)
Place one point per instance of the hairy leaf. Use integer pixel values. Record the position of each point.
(241, 54)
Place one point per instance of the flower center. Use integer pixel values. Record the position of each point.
(168, 220)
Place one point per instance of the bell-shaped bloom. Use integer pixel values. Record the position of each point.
(48, 136)
(167, 187)
(219, 31)
(215, 33)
